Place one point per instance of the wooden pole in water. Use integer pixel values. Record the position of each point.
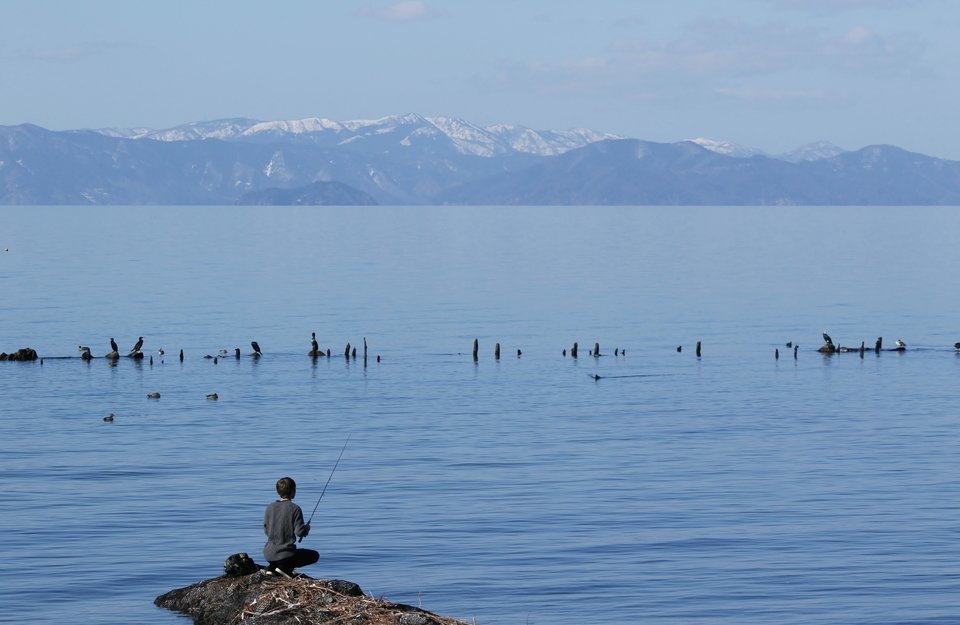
(573, 350)
(795, 348)
(236, 353)
(496, 352)
(364, 352)
(596, 350)
(776, 354)
(878, 344)
(698, 349)
(181, 355)
(476, 349)
(346, 352)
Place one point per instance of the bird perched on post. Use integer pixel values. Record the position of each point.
(827, 339)
(83, 350)
(256, 348)
(136, 348)
(113, 346)
(314, 346)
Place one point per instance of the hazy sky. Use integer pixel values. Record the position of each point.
(772, 74)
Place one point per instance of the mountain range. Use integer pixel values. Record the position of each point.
(411, 159)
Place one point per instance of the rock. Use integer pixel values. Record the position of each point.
(260, 599)
(23, 354)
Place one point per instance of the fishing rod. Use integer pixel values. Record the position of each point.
(328, 480)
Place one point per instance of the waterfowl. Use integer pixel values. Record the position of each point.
(213, 396)
(256, 348)
(901, 344)
(153, 395)
(83, 350)
(109, 417)
(827, 339)
(314, 346)
(113, 345)
(136, 348)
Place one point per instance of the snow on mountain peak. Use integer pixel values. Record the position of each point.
(726, 148)
(293, 126)
(465, 137)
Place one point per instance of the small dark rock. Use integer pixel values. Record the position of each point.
(24, 354)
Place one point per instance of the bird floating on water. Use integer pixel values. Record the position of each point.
(153, 395)
(109, 417)
(213, 396)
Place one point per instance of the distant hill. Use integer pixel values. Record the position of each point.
(632, 172)
(410, 159)
(315, 194)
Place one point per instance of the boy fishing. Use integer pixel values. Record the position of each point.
(283, 524)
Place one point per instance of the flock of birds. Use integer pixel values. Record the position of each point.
(87, 354)
(828, 347)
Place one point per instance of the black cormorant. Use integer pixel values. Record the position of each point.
(136, 348)
(256, 348)
(113, 345)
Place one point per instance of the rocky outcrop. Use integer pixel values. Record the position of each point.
(260, 599)
(24, 354)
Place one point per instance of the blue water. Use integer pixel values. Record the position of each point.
(734, 488)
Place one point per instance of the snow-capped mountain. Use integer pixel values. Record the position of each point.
(410, 129)
(816, 151)
(726, 148)
(411, 159)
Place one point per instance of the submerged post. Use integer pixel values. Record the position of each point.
(181, 355)
(776, 354)
(496, 352)
(236, 353)
(346, 352)
(364, 352)
(698, 349)
(596, 350)
(573, 350)
(476, 349)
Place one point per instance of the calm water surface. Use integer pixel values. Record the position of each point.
(730, 489)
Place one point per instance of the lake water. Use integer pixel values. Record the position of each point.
(728, 489)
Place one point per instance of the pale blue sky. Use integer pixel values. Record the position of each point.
(772, 74)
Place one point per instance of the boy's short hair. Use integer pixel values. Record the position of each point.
(286, 487)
